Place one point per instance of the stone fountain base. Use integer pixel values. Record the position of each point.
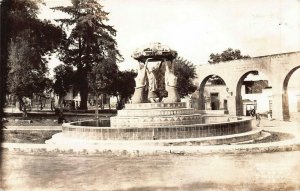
(157, 121)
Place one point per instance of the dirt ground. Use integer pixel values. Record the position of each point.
(269, 171)
(27, 136)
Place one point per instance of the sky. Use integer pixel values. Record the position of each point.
(195, 28)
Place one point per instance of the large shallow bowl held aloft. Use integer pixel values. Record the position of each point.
(155, 52)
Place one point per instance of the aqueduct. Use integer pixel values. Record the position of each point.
(278, 68)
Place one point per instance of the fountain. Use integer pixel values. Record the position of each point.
(168, 122)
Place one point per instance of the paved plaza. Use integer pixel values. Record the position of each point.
(267, 171)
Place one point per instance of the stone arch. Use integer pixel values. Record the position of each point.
(201, 89)
(285, 98)
(238, 90)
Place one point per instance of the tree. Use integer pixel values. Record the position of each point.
(226, 55)
(216, 80)
(30, 40)
(90, 41)
(101, 78)
(64, 76)
(186, 72)
(44, 92)
(3, 57)
(124, 87)
(24, 78)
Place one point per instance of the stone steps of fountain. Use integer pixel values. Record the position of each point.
(155, 112)
(61, 139)
(156, 121)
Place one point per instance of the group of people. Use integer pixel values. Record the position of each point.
(257, 116)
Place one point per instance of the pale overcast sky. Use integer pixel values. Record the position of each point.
(198, 28)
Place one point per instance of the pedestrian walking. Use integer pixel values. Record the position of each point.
(252, 112)
(258, 118)
(269, 115)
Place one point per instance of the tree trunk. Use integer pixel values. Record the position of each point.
(96, 109)
(83, 87)
(60, 103)
(109, 103)
(84, 98)
(20, 104)
(60, 110)
(23, 106)
(102, 101)
(118, 103)
(41, 103)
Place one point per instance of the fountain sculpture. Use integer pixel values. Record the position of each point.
(148, 119)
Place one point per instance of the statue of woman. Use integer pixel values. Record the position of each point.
(170, 83)
(152, 83)
(140, 84)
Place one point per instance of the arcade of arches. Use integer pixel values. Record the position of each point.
(278, 68)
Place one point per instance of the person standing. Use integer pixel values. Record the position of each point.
(258, 118)
(252, 112)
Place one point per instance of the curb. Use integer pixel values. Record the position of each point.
(281, 146)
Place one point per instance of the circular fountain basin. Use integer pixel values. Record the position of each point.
(212, 126)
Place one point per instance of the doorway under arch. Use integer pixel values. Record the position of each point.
(286, 97)
(253, 91)
(211, 93)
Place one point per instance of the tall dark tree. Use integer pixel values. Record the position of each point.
(30, 40)
(91, 40)
(3, 58)
(226, 55)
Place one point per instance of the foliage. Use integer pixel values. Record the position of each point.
(186, 72)
(63, 76)
(216, 80)
(23, 22)
(89, 44)
(125, 85)
(102, 77)
(3, 57)
(30, 40)
(226, 55)
(24, 78)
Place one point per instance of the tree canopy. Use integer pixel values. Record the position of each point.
(63, 79)
(226, 55)
(186, 72)
(102, 77)
(124, 85)
(90, 43)
(30, 40)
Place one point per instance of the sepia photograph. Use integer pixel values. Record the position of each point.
(150, 95)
